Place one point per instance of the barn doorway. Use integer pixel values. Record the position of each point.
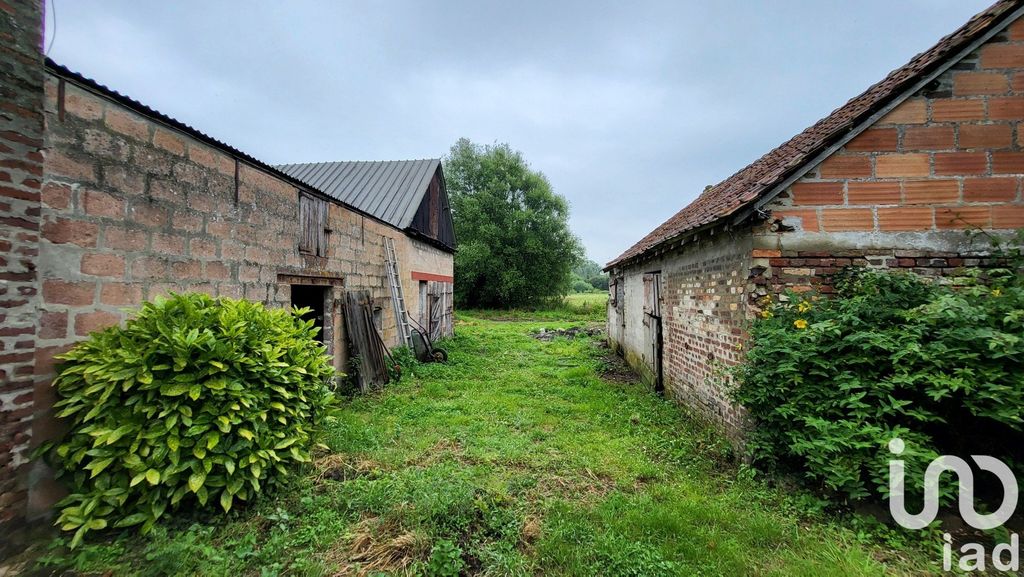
(315, 298)
(653, 323)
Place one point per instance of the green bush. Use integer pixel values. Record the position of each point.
(196, 401)
(582, 286)
(830, 381)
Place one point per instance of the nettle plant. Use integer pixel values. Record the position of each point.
(196, 401)
(829, 381)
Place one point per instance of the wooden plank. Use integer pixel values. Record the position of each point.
(364, 341)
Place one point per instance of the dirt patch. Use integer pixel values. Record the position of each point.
(545, 334)
(614, 367)
(441, 450)
(531, 532)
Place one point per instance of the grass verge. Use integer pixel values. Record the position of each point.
(515, 458)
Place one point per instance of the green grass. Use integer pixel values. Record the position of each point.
(515, 458)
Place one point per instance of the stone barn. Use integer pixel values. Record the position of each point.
(890, 179)
(105, 203)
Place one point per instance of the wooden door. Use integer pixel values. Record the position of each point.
(654, 341)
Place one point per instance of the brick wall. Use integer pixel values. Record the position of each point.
(21, 171)
(900, 194)
(703, 292)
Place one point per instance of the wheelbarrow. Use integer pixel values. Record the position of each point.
(424, 348)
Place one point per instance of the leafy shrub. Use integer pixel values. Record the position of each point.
(831, 381)
(581, 286)
(195, 401)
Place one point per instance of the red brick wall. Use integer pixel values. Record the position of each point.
(21, 171)
(899, 195)
(703, 293)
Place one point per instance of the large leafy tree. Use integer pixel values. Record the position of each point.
(515, 246)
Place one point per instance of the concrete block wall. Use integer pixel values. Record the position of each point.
(21, 174)
(132, 208)
(417, 257)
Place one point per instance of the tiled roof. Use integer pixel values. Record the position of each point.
(749, 184)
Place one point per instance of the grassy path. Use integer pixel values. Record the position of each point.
(514, 458)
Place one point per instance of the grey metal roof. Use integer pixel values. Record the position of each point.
(390, 190)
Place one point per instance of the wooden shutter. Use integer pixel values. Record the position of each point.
(312, 225)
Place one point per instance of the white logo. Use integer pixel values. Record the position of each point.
(965, 475)
(973, 554)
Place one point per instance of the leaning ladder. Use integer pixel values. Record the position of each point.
(397, 298)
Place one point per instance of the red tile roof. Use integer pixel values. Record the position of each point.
(752, 182)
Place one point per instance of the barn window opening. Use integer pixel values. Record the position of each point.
(313, 225)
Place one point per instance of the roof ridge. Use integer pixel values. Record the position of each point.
(434, 159)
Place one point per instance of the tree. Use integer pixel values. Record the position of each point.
(599, 282)
(515, 246)
(591, 273)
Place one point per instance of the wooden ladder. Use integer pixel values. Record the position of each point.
(397, 297)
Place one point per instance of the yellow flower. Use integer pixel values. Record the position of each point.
(803, 307)
(996, 292)
(800, 324)
(766, 314)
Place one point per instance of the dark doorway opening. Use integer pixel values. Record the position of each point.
(315, 298)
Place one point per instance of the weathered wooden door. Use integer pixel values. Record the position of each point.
(440, 297)
(654, 340)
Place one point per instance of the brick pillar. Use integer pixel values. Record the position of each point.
(21, 172)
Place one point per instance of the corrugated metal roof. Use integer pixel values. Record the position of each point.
(391, 190)
(749, 184)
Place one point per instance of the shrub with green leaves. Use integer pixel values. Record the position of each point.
(830, 381)
(196, 401)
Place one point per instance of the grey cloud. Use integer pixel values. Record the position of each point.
(630, 108)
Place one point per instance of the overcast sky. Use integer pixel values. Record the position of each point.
(629, 108)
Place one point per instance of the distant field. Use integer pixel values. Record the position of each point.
(587, 300)
(575, 307)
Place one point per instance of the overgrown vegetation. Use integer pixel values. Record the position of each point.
(588, 277)
(197, 402)
(515, 246)
(831, 381)
(517, 457)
